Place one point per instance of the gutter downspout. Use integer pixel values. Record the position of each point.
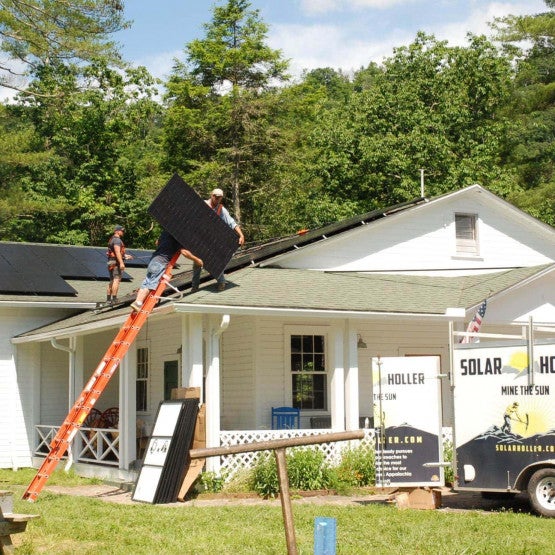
(71, 385)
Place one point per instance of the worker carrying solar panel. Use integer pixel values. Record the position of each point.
(167, 247)
(215, 203)
(116, 262)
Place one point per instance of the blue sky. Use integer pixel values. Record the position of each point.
(343, 34)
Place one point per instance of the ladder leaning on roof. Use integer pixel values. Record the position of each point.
(95, 386)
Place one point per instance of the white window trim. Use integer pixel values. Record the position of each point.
(290, 330)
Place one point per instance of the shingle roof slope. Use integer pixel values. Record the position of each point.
(356, 292)
(275, 288)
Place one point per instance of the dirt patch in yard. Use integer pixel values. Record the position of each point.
(450, 500)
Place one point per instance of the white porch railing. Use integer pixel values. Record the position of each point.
(90, 445)
(101, 445)
(230, 464)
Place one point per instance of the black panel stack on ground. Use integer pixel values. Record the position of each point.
(177, 458)
(167, 454)
(181, 212)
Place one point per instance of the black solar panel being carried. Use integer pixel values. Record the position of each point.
(181, 212)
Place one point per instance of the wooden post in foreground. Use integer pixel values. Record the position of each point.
(279, 446)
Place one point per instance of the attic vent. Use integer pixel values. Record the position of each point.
(466, 234)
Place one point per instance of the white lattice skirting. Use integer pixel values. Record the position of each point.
(231, 464)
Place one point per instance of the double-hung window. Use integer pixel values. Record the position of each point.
(309, 379)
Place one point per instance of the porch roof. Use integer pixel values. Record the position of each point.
(278, 290)
(357, 292)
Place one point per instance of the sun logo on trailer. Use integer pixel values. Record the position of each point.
(518, 364)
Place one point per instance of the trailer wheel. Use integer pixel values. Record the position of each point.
(541, 490)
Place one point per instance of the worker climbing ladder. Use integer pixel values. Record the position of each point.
(96, 385)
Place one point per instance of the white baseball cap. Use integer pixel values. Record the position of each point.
(218, 193)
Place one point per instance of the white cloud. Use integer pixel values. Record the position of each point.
(479, 18)
(315, 7)
(342, 46)
(316, 46)
(161, 64)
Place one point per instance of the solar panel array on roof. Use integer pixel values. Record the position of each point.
(20, 274)
(181, 212)
(30, 269)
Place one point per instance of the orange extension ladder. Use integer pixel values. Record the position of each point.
(99, 380)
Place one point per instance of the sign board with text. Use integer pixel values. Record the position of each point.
(407, 418)
(504, 412)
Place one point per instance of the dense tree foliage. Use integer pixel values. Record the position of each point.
(36, 33)
(530, 151)
(430, 107)
(89, 145)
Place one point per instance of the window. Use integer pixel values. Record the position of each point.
(466, 233)
(142, 379)
(308, 372)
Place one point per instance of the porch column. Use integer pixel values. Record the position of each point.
(191, 342)
(351, 381)
(337, 392)
(127, 409)
(212, 393)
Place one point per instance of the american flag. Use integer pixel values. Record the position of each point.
(475, 324)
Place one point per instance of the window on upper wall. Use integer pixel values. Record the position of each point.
(142, 379)
(308, 372)
(466, 234)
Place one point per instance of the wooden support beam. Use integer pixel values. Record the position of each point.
(286, 508)
(279, 446)
(276, 444)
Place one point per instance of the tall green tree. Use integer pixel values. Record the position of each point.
(218, 129)
(294, 196)
(530, 150)
(35, 33)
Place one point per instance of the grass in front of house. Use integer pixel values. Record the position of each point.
(71, 524)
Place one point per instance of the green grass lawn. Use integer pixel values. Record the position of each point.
(71, 525)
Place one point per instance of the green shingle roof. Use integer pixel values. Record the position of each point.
(277, 288)
(356, 292)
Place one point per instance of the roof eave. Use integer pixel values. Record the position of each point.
(451, 314)
(84, 329)
(48, 304)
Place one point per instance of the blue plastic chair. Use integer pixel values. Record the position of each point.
(286, 418)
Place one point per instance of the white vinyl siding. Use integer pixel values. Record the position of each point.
(239, 400)
(423, 240)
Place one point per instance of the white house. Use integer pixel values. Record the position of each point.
(298, 324)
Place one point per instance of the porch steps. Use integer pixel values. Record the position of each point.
(97, 383)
